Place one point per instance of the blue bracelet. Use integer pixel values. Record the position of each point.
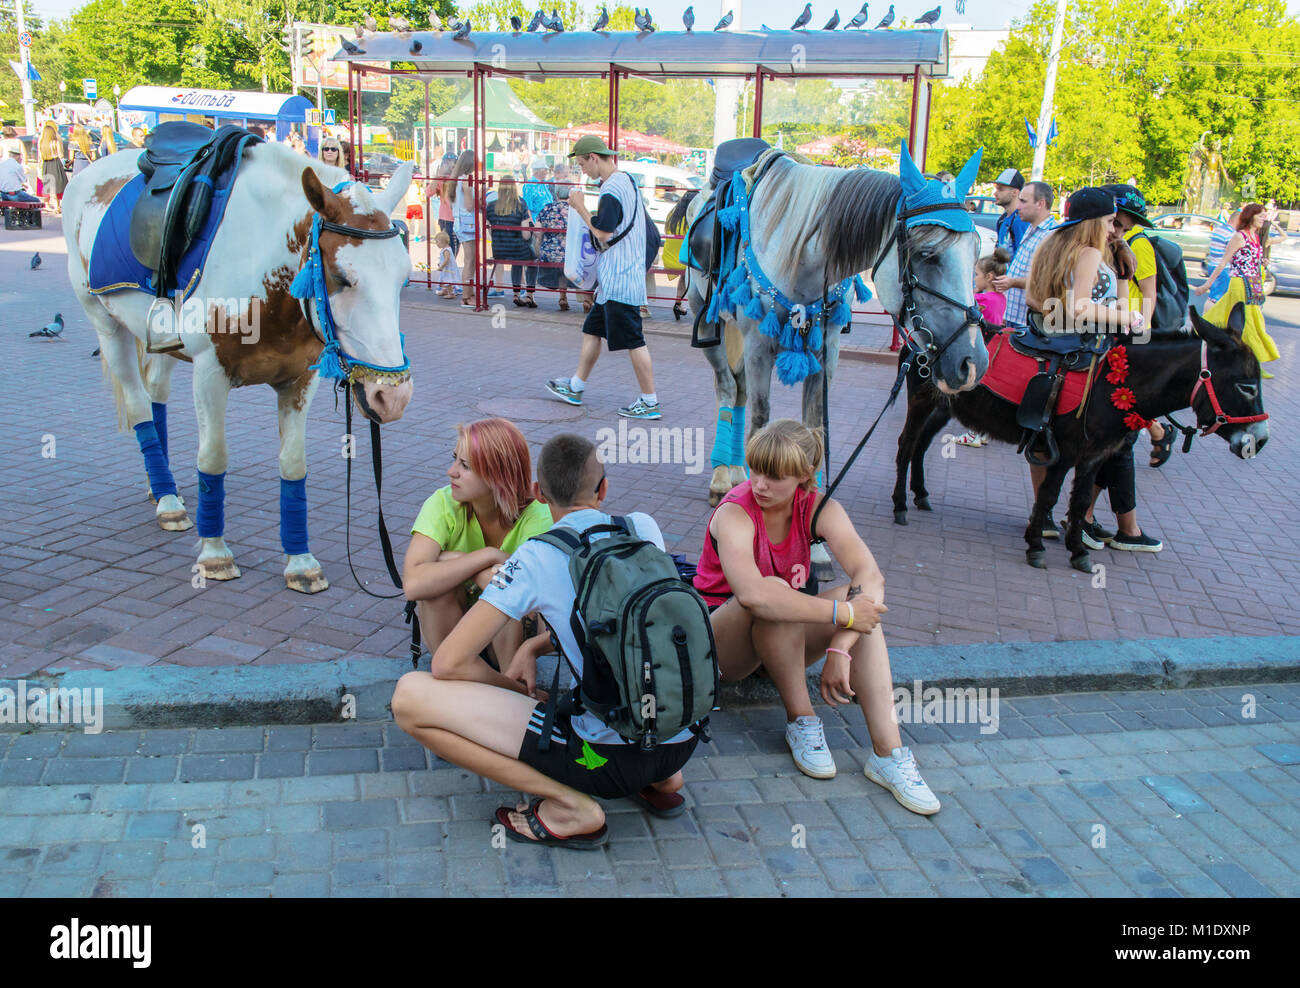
(835, 611)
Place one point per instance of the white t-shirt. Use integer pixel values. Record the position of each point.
(12, 175)
(536, 578)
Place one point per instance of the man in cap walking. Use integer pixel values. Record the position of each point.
(618, 233)
(1011, 226)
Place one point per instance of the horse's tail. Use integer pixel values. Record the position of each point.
(675, 224)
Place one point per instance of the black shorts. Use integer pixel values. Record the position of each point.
(620, 769)
(617, 323)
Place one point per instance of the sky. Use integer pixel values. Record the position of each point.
(985, 14)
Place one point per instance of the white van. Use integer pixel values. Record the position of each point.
(661, 187)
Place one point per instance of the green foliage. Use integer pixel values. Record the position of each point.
(1139, 81)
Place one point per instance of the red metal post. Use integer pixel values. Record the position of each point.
(758, 104)
(478, 188)
(613, 108)
(925, 150)
(429, 220)
(352, 134)
(916, 94)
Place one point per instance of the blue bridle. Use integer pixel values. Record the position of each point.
(309, 284)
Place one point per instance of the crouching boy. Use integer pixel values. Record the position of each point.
(491, 723)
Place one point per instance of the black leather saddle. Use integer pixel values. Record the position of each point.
(705, 237)
(183, 164)
(1057, 354)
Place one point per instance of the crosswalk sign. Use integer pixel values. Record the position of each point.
(329, 116)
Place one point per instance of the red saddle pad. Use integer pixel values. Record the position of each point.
(1009, 373)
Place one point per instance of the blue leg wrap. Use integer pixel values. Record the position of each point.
(293, 516)
(155, 461)
(720, 456)
(738, 436)
(211, 515)
(160, 423)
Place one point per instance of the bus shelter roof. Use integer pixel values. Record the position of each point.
(849, 54)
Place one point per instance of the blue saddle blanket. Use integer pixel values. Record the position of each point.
(114, 268)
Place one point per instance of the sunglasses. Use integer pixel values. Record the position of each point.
(601, 481)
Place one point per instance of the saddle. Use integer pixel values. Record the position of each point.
(183, 165)
(704, 239)
(1057, 354)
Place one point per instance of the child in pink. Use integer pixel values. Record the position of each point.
(993, 306)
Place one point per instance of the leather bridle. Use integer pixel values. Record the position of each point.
(918, 337)
(1203, 380)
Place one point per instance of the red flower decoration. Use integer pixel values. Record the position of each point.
(1117, 357)
(1136, 422)
(1117, 376)
(1123, 399)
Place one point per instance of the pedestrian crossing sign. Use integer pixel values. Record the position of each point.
(328, 116)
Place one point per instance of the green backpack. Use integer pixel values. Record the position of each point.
(649, 664)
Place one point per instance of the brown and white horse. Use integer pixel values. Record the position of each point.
(261, 245)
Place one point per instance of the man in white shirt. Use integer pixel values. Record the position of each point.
(490, 722)
(13, 180)
(619, 226)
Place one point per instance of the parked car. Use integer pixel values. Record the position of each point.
(381, 166)
(984, 210)
(1283, 265)
(1277, 237)
(1189, 231)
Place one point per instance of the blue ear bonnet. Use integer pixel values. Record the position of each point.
(919, 192)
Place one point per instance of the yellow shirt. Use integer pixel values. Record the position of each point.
(1146, 265)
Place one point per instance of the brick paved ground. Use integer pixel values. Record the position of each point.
(97, 585)
(1122, 794)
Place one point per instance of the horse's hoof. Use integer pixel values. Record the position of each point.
(900, 517)
(175, 521)
(1082, 562)
(311, 582)
(715, 498)
(219, 569)
(923, 504)
(1037, 558)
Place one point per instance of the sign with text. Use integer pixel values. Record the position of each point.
(89, 88)
(332, 74)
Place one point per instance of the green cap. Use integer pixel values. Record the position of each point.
(589, 144)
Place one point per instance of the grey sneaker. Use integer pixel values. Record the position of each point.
(640, 410)
(560, 388)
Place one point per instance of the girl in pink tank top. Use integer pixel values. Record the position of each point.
(761, 533)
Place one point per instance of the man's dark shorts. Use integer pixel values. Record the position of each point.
(610, 771)
(617, 323)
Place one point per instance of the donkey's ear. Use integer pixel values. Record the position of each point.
(913, 180)
(966, 177)
(1237, 320)
(1206, 330)
(315, 192)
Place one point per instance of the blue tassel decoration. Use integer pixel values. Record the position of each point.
(792, 367)
(302, 283)
(841, 313)
(860, 289)
(329, 366)
(790, 337)
(755, 308)
(729, 217)
(714, 304)
(771, 325)
(738, 275)
(743, 294)
(815, 338)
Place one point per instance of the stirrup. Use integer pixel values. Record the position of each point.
(161, 342)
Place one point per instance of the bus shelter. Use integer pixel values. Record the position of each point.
(757, 57)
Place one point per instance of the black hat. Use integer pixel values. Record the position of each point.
(1088, 203)
(1012, 178)
(1131, 201)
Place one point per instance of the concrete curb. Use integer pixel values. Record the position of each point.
(177, 696)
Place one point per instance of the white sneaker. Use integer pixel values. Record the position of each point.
(899, 774)
(807, 743)
(970, 439)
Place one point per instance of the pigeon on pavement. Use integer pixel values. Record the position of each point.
(929, 17)
(887, 19)
(725, 22)
(802, 20)
(859, 18)
(51, 330)
(833, 23)
(36, 260)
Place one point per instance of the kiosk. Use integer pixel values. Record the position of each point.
(274, 115)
